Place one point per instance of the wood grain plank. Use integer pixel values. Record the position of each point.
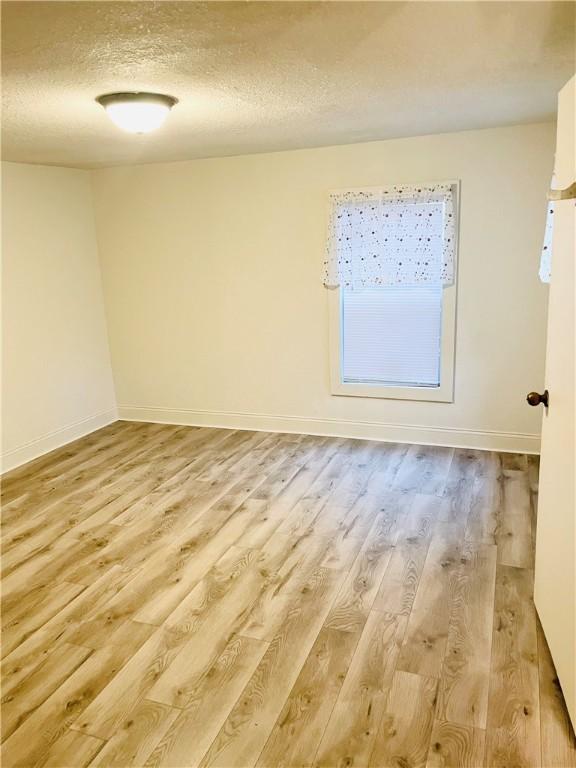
(465, 678)
(413, 525)
(514, 534)
(21, 621)
(136, 736)
(72, 750)
(86, 456)
(334, 481)
(196, 727)
(170, 663)
(88, 508)
(274, 499)
(171, 573)
(404, 735)
(486, 502)
(466, 468)
(299, 728)
(247, 728)
(287, 563)
(356, 598)
(513, 728)
(456, 746)
(34, 651)
(424, 470)
(517, 462)
(351, 731)
(28, 745)
(36, 688)
(99, 470)
(533, 481)
(17, 480)
(426, 637)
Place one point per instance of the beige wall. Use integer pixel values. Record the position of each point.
(217, 315)
(56, 375)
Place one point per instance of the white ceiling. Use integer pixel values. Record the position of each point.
(260, 76)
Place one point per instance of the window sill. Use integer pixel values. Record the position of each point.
(442, 394)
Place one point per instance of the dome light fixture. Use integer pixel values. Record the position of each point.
(137, 112)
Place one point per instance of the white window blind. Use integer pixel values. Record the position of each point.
(391, 335)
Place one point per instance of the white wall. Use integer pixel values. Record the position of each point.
(217, 315)
(56, 375)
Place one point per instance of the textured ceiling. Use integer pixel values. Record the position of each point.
(258, 76)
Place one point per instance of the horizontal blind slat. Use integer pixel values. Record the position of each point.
(391, 335)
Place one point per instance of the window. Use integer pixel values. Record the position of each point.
(395, 339)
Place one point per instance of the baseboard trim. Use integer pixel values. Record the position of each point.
(56, 439)
(367, 430)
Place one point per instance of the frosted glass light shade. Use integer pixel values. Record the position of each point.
(137, 112)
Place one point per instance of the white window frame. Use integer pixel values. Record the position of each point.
(441, 394)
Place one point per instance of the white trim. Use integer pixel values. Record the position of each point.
(488, 440)
(56, 439)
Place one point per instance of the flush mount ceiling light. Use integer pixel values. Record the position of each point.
(137, 112)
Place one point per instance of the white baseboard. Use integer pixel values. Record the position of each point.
(49, 442)
(367, 430)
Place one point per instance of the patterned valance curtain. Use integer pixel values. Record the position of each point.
(400, 235)
(545, 271)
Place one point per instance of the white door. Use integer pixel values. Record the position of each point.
(555, 574)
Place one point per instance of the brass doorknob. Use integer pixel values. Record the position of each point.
(535, 398)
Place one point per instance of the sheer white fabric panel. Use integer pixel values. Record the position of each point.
(391, 335)
(545, 271)
(392, 236)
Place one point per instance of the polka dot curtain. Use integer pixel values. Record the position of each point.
(546, 256)
(400, 235)
(558, 194)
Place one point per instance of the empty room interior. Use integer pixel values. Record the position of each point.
(288, 384)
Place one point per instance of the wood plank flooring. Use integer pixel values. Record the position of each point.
(177, 596)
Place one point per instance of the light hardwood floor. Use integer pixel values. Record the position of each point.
(177, 596)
